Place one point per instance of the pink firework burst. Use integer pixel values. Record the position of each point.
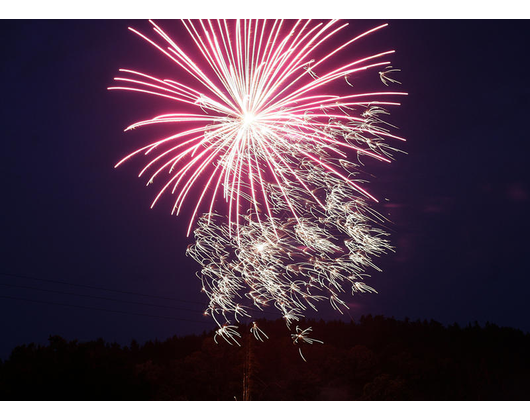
(258, 113)
(261, 125)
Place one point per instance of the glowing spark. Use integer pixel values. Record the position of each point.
(257, 332)
(301, 337)
(271, 154)
(386, 79)
(228, 333)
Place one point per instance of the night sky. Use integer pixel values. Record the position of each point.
(459, 200)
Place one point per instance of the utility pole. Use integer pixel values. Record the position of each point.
(247, 370)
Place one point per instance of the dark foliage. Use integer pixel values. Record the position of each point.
(375, 359)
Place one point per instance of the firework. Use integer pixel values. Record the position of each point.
(302, 337)
(272, 161)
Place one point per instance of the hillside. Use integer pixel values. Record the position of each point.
(376, 358)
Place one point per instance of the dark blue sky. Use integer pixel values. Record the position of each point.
(459, 200)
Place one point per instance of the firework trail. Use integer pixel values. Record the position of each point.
(260, 127)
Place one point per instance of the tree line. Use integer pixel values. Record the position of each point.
(376, 358)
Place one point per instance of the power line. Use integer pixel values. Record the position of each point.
(98, 288)
(108, 290)
(101, 309)
(101, 298)
(98, 297)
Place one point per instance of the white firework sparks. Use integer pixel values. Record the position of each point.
(265, 131)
